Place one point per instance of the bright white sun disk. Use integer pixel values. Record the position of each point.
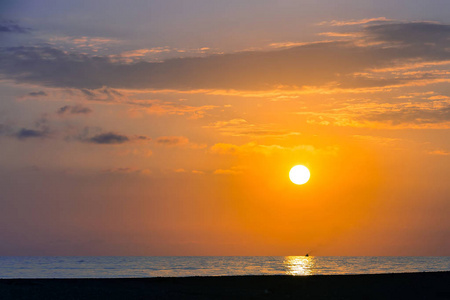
(299, 174)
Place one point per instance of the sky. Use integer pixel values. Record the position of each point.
(169, 127)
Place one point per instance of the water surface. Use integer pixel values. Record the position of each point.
(126, 266)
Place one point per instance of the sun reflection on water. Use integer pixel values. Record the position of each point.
(299, 265)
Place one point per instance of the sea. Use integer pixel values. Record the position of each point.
(182, 266)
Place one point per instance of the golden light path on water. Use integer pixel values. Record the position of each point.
(299, 265)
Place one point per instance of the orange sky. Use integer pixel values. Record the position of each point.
(112, 146)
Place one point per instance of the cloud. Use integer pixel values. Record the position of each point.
(37, 94)
(240, 127)
(96, 135)
(142, 52)
(440, 152)
(102, 94)
(26, 133)
(8, 26)
(108, 138)
(178, 141)
(141, 106)
(354, 22)
(423, 113)
(82, 43)
(287, 44)
(74, 110)
(158, 107)
(127, 170)
(253, 148)
(172, 141)
(381, 140)
(427, 35)
(341, 34)
(411, 115)
(309, 65)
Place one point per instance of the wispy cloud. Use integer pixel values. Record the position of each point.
(102, 94)
(341, 34)
(287, 44)
(412, 115)
(158, 107)
(82, 43)
(141, 53)
(178, 141)
(240, 127)
(354, 22)
(108, 138)
(376, 139)
(423, 113)
(231, 171)
(9, 26)
(37, 94)
(172, 141)
(440, 152)
(26, 133)
(74, 110)
(127, 170)
(198, 172)
(254, 148)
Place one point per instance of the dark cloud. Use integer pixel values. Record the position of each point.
(25, 133)
(37, 94)
(41, 130)
(8, 26)
(171, 140)
(75, 109)
(143, 137)
(88, 93)
(97, 135)
(126, 170)
(101, 94)
(415, 33)
(352, 81)
(312, 64)
(108, 138)
(411, 115)
(54, 67)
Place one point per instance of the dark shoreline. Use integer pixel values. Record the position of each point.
(427, 285)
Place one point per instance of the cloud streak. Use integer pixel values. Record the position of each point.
(37, 94)
(177, 141)
(74, 110)
(424, 113)
(8, 26)
(354, 22)
(25, 133)
(108, 138)
(252, 148)
(172, 141)
(240, 127)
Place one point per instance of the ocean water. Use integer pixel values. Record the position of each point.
(125, 266)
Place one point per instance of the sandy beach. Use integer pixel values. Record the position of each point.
(433, 285)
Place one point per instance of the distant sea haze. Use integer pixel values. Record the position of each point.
(181, 266)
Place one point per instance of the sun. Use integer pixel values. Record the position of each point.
(299, 174)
